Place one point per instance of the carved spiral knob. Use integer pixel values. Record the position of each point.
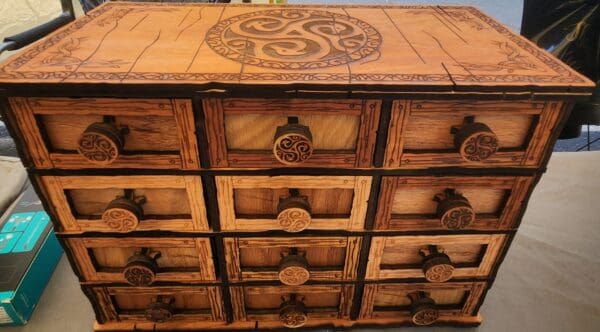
(101, 143)
(475, 141)
(293, 214)
(293, 313)
(437, 267)
(292, 144)
(122, 215)
(140, 270)
(293, 270)
(454, 210)
(161, 310)
(423, 309)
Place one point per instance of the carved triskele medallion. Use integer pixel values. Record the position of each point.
(439, 273)
(293, 39)
(479, 147)
(426, 316)
(458, 218)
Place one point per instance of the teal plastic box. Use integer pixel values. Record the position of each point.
(29, 252)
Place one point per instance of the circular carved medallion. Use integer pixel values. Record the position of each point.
(293, 270)
(294, 220)
(437, 267)
(101, 143)
(293, 314)
(425, 315)
(139, 275)
(458, 217)
(476, 142)
(122, 215)
(120, 220)
(159, 312)
(293, 39)
(294, 214)
(479, 146)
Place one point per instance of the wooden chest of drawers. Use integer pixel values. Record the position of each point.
(253, 167)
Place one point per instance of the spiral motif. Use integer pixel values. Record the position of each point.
(120, 220)
(294, 275)
(291, 318)
(458, 218)
(439, 273)
(294, 219)
(139, 276)
(480, 146)
(97, 148)
(426, 316)
(293, 39)
(293, 149)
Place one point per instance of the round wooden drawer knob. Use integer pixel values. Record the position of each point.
(294, 214)
(438, 267)
(292, 144)
(140, 270)
(159, 312)
(454, 210)
(293, 313)
(423, 309)
(122, 215)
(101, 143)
(475, 141)
(293, 270)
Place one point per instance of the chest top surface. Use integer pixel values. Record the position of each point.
(391, 47)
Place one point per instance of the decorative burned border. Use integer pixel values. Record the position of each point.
(565, 75)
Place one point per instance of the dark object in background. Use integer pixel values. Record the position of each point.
(571, 31)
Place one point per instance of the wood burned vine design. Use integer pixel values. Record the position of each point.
(63, 57)
(293, 39)
(514, 61)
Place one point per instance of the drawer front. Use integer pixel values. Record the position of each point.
(292, 261)
(436, 258)
(450, 203)
(292, 203)
(80, 133)
(421, 304)
(291, 132)
(143, 261)
(163, 306)
(450, 133)
(291, 306)
(127, 203)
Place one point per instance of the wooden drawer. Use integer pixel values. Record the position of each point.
(450, 202)
(143, 261)
(292, 203)
(164, 306)
(127, 203)
(291, 306)
(322, 133)
(293, 261)
(422, 304)
(127, 133)
(421, 133)
(435, 258)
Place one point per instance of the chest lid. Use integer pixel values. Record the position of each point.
(397, 48)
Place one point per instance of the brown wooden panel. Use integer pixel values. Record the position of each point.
(261, 303)
(407, 203)
(189, 304)
(258, 259)
(241, 131)
(173, 203)
(420, 132)
(181, 259)
(391, 301)
(401, 256)
(250, 202)
(161, 133)
(399, 46)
